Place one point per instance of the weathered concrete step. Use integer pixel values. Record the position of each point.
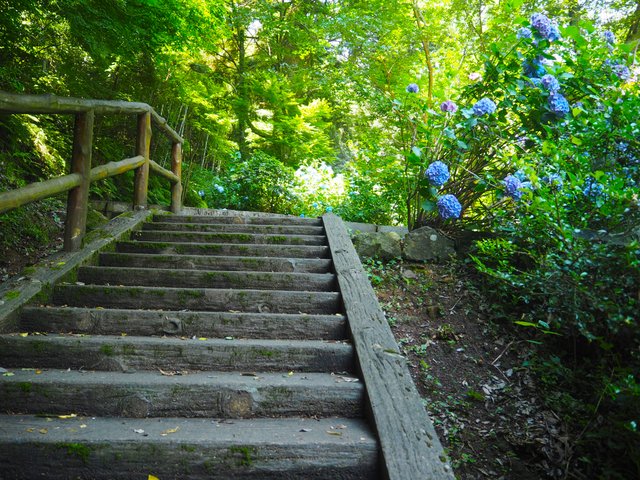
(204, 262)
(239, 220)
(189, 324)
(207, 394)
(221, 249)
(108, 353)
(238, 238)
(235, 228)
(161, 277)
(192, 449)
(206, 299)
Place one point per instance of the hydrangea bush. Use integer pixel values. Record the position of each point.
(544, 151)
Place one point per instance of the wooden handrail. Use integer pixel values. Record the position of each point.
(77, 183)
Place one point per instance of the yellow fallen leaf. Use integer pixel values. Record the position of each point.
(71, 415)
(43, 431)
(291, 374)
(123, 334)
(152, 477)
(337, 434)
(38, 372)
(202, 338)
(24, 334)
(30, 430)
(170, 430)
(83, 426)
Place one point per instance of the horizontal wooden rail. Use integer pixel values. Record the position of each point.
(14, 103)
(112, 169)
(48, 188)
(163, 172)
(37, 191)
(77, 183)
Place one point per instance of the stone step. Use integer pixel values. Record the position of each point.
(237, 238)
(204, 299)
(194, 449)
(239, 219)
(206, 394)
(235, 228)
(161, 277)
(200, 324)
(228, 263)
(224, 249)
(132, 353)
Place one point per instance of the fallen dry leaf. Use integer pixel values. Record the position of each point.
(170, 430)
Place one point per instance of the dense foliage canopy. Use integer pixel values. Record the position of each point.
(514, 117)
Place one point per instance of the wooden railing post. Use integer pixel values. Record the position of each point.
(142, 173)
(176, 168)
(78, 197)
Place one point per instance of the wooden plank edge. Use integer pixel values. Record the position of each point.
(40, 279)
(409, 444)
(163, 172)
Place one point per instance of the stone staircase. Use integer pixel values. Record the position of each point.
(203, 347)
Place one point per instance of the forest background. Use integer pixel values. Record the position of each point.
(303, 107)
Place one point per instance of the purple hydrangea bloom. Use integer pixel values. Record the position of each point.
(622, 72)
(609, 37)
(550, 83)
(484, 106)
(437, 173)
(513, 187)
(412, 88)
(541, 23)
(449, 207)
(524, 32)
(448, 106)
(558, 104)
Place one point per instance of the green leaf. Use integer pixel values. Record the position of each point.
(428, 206)
(575, 140)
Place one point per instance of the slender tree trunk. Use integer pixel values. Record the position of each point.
(426, 46)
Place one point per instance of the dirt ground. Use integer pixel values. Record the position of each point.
(470, 373)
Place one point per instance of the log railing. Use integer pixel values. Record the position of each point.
(81, 174)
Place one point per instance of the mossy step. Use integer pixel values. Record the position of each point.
(206, 299)
(195, 449)
(224, 249)
(167, 277)
(132, 353)
(200, 324)
(154, 394)
(235, 228)
(228, 263)
(240, 219)
(237, 238)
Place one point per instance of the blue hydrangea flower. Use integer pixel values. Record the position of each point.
(219, 188)
(554, 180)
(513, 187)
(541, 23)
(609, 37)
(448, 106)
(484, 106)
(622, 72)
(550, 83)
(592, 189)
(412, 88)
(449, 207)
(554, 33)
(533, 69)
(302, 215)
(524, 32)
(314, 204)
(329, 209)
(201, 193)
(437, 173)
(558, 104)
